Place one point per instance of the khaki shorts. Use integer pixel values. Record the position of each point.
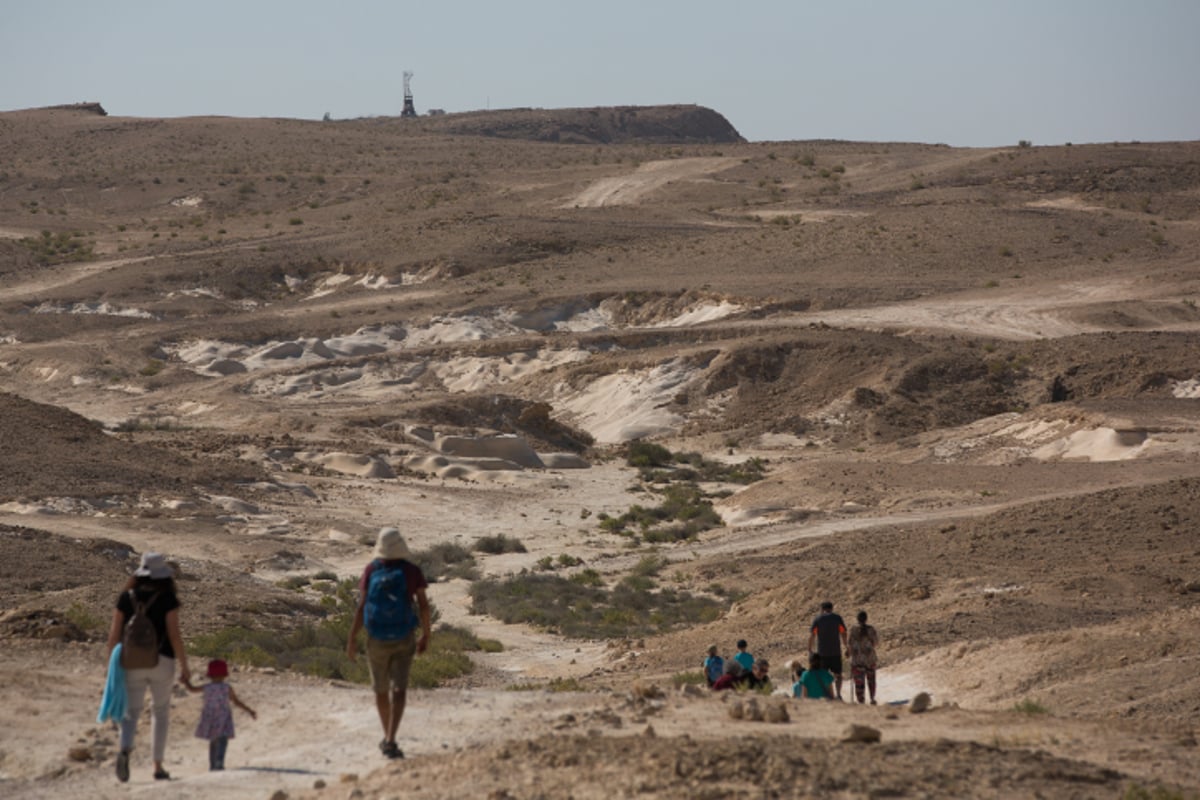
(390, 661)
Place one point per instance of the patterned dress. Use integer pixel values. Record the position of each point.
(216, 718)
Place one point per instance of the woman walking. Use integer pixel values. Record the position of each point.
(146, 625)
(860, 650)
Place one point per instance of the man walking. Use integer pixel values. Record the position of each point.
(828, 633)
(386, 593)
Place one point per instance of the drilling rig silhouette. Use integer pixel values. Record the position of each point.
(409, 110)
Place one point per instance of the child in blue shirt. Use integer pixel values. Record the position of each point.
(714, 666)
(743, 656)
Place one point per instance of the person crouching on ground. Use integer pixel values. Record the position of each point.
(796, 668)
(734, 677)
(817, 682)
(760, 676)
(714, 666)
(391, 604)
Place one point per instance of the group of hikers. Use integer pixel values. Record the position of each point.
(821, 678)
(145, 645)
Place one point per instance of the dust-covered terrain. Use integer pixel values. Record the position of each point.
(704, 383)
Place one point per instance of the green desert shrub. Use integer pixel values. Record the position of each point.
(497, 544)
(319, 647)
(633, 607)
(447, 560)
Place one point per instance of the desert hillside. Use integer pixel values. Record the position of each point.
(630, 385)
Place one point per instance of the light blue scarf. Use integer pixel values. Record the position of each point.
(112, 704)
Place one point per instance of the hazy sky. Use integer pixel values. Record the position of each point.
(962, 72)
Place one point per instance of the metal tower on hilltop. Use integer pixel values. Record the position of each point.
(409, 110)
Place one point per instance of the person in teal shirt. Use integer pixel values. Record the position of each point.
(743, 656)
(817, 682)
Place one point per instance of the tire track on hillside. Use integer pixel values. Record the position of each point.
(632, 187)
(1034, 313)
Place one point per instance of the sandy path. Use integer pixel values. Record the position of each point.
(307, 730)
(1033, 313)
(630, 188)
(310, 731)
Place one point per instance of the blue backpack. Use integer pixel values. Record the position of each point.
(388, 611)
(714, 667)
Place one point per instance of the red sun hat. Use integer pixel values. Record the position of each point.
(217, 668)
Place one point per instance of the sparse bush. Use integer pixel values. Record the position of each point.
(650, 565)
(319, 648)
(588, 577)
(568, 607)
(58, 248)
(497, 544)
(684, 504)
(153, 367)
(647, 454)
(84, 618)
(446, 560)
(1135, 791)
(293, 582)
(1028, 706)
(688, 679)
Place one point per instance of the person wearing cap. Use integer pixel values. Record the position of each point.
(714, 666)
(152, 584)
(389, 657)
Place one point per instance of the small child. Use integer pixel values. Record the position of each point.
(714, 666)
(216, 718)
(797, 669)
(743, 656)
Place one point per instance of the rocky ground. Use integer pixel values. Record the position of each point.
(967, 375)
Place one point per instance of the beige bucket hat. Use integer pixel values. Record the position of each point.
(390, 545)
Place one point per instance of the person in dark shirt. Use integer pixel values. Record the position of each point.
(827, 638)
(153, 583)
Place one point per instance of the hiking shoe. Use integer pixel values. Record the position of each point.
(162, 775)
(392, 750)
(123, 766)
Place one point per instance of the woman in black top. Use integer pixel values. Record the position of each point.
(153, 584)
